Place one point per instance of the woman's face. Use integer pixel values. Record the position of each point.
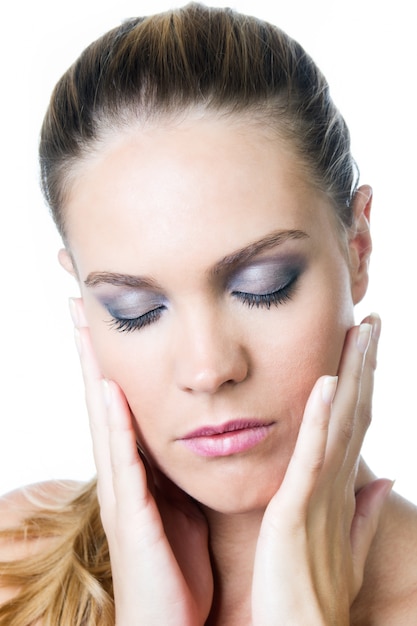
(216, 291)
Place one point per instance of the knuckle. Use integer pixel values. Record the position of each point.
(357, 376)
(311, 466)
(365, 413)
(346, 429)
(316, 464)
(372, 360)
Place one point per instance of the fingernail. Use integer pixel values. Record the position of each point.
(364, 335)
(376, 325)
(328, 389)
(387, 489)
(73, 311)
(77, 338)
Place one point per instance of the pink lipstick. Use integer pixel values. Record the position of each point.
(226, 439)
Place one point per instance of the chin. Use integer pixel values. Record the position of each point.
(236, 489)
(231, 502)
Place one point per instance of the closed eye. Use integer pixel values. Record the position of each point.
(124, 325)
(266, 300)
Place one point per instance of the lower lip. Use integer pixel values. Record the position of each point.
(226, 444)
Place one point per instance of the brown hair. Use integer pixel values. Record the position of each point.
(195, 57)
(214, 59)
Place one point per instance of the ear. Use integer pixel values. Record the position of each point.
(65, 259)
(360, 243)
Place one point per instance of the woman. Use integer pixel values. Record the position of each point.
(202, 182)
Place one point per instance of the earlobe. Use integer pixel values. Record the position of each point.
(66, 262)
(360, 243)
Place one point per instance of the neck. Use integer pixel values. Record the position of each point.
(230, 533)
(233, 539)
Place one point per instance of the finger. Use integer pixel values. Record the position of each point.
(128, 471)
(308, 457)
(363, 413)
(77, 312)
(369, 503)
(97, 410)
(364, 404)
(346, 423)
(135, 507)
(122, 478)
(96, 405)
(375, 321)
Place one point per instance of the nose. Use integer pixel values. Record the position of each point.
(209, 355)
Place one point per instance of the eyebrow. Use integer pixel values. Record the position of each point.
(120, 280)
(240, 256)
(275, 238)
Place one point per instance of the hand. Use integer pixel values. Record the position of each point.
(316, 532)
(158, 538)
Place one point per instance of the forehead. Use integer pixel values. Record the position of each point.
(199, 184)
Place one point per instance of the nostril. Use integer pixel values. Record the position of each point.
(228, 371)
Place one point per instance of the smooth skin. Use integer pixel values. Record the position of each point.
(171, 221)
(173, 205)
(310, 554)
(170, 204)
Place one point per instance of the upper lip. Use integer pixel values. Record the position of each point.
(226, 427)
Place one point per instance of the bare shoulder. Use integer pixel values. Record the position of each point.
(20, 504)
(389, 593)
(403, 529)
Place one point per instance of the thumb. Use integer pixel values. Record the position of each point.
(369, 503)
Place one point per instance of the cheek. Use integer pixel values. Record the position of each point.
(138, 369)
(288, 348)
(306, 344)
(124, 359)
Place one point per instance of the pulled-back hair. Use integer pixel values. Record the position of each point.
(215, 60)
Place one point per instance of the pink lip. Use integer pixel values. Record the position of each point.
(230, 438)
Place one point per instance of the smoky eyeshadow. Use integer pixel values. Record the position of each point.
(266, 275)
(259, 276)
(131, 304)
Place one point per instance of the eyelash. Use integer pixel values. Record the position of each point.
(136, 323)
(281, 296)
(266, 300)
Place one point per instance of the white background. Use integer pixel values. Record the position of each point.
(366, 50)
